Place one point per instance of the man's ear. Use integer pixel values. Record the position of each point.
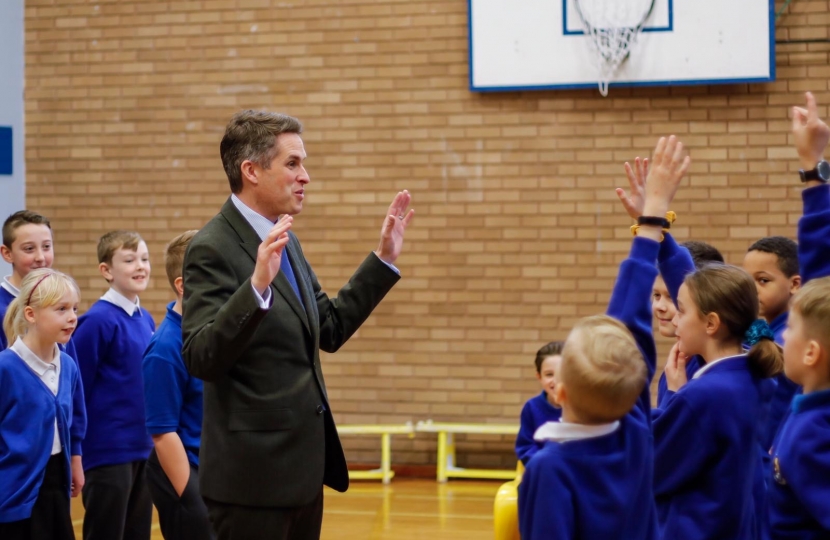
(250, 172)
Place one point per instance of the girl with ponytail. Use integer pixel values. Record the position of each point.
(42, 407)
(708, 456)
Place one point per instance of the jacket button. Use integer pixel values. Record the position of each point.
(320, 409)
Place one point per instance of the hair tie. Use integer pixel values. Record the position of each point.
(758, 331)
(29, 300)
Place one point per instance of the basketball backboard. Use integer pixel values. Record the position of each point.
(540, 44)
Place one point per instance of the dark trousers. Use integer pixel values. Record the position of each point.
(180, 518)
(50, 519)
(232, 522)
(117, 503)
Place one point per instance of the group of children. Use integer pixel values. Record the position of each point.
(99, 405)
(738, 444)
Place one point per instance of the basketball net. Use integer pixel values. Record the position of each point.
(612, 26)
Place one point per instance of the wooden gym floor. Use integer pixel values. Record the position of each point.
(407, 509)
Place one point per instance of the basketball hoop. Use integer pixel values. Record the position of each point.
(612, 27)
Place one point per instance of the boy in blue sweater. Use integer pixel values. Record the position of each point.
(42, 411)
(773, 264)
(540, 409)
(110, 340)
(173, 404)
(593, 478)
(798, 491)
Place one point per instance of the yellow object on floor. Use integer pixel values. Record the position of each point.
(506, 508)
(385, 431)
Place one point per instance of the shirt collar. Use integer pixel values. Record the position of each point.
(567, 431)
(6, 284)
(709, 365)
(261, 224)
(31, 359)
(172, 315)
(114, 297)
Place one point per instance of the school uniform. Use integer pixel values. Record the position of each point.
(592, 482)
(536, 412)
(707, 469)
(799, 497)
(173, 404)
(110, 340)
(44, 421)
(785, 389)
(814, 233)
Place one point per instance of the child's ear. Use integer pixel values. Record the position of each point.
(105, 271)
(29, 314)
(795, 284)
(7, 253)
(178, 284)
(713, 323)
(538, 376)
(560, 395)
(813, 353)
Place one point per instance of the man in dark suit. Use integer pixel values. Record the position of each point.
(254, 321)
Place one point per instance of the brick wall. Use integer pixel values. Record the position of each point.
(517, 233)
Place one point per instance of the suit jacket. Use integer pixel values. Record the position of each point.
(268, 437)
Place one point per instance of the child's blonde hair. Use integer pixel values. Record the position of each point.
(115, 240)
(40, 288)
(812, 302)
(602, 369)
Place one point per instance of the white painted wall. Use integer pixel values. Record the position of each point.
(12, 188)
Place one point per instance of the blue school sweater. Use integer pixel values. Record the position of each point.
(601, 487)
(708, 475)
(110, 346)
(814, 233)
(29, 409)
(172, 396)
(663, 393)
(799, 496)
(6, 298)
(785, 389)
(536, 412)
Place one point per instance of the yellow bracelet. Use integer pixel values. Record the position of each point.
(671, 217)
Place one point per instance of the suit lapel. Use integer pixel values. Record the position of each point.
(300, 274)
(250, 243)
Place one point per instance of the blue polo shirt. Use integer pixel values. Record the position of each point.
(172, 397)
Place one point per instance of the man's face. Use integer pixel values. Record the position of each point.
(281, 187)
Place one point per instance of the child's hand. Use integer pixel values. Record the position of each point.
(811, 134)
(668, 166)
(634, 203)
(77, 476)
(676, 369)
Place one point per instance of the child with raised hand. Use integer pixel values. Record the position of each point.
(716, 489)
(675, 263)
(799, 505)
(593, 477)
(42, 407)
(542, 408)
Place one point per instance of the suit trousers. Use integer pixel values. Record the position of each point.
(180, 517)
(234, 522)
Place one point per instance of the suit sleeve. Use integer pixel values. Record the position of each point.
(814, 233)
(341, 316)
(219, 315)
(630, 303)
(526, 446)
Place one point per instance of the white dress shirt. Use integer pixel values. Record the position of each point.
(48, 372)
(567, 431)
(114, 297)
